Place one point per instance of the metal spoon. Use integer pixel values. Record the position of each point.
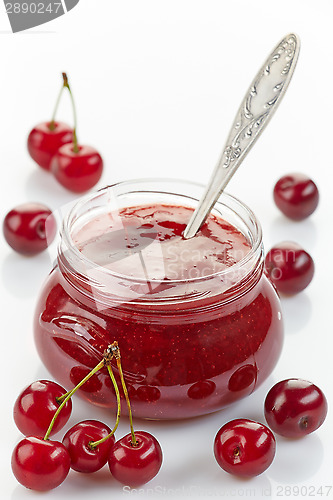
(257, 107)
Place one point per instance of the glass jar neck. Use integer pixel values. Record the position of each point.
(107, 289)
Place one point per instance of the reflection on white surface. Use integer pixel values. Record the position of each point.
(298, 459)
(304, 232)
(297, 312)
(23, 276)
(41, 185)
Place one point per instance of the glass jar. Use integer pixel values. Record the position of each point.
(189, 346)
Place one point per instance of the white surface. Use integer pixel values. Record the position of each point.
(157, 86)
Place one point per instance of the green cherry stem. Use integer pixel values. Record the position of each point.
(94, 444)
(68, 395)
(76, 148)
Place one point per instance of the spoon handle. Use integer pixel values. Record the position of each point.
(255, 111)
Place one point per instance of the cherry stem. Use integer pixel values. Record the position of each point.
(76, 148)
(68, 395)
(94, 444)
(134, 441)
(52, 122)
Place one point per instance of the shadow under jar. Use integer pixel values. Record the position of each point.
(198, 324)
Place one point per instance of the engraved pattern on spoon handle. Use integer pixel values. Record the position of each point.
(257, 107)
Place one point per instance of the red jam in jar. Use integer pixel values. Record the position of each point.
(198, 324)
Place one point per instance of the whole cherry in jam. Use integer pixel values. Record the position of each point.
(296, 195)
(76, 167)
(289, 267)
(244, 447)
(295, 407)
(36, 405)
(45, 139)
(29, 228)
(78, 441)
(40, 464)
(135, 464)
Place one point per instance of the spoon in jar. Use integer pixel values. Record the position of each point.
(259, 104)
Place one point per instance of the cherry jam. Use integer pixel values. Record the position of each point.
(198, 324)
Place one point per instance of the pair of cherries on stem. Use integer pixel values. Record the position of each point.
(54, 147)
(44, 407)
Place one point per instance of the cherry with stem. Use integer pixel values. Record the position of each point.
(41, 464)
(76, 167)
(62, 400)
(137, 457)
(46, 138)
(89, 442)
(36, 405)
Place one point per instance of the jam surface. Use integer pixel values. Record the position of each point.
(180, 358)
(146, 242)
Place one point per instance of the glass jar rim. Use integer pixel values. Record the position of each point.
(224, 199)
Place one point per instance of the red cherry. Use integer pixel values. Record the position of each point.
(135, 465)
(296, 195)
(295, 407)
(77, 171)
(244, 447)
(40, 465)
(289, 267)
(36, 406)
(77, 440)
(45, 139)
(29, 228)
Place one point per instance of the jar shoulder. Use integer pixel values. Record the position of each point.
(59, 295)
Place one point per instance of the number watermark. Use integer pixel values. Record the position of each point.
(25, 14)
(32, 7)
(304, 491)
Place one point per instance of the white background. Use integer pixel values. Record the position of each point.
(157, 85)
